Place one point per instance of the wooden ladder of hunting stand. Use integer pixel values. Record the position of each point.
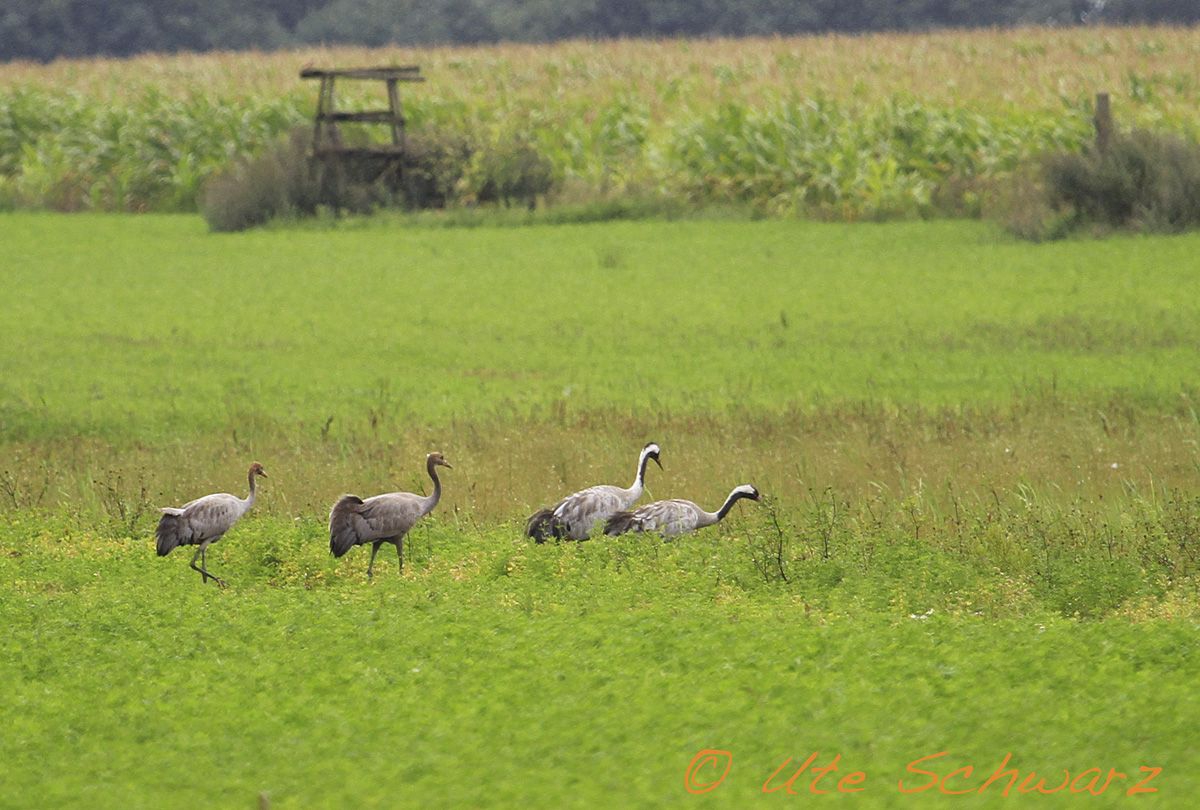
(333, 156)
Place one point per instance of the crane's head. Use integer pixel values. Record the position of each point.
(257, 469)
(746, 491)
(436, 460)
(651, 451)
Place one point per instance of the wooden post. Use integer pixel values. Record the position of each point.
(317, 120)
(1103, 122)
(397, 119)
(331, 126)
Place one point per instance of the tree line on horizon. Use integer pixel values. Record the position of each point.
(44, 30)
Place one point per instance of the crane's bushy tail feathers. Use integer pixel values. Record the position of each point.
(167, 535)
(622, 522)
(342, 521)
(543, 525)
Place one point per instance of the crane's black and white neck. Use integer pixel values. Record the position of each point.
(739, 492)
(649, 452)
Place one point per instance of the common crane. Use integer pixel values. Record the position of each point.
(573, 517)
(383, 518)
(675, 517)
(203, 522)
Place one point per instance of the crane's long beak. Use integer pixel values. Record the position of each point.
(447, 464)
(263, 473)
(659, 463)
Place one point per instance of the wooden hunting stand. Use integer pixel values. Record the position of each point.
(368, 162)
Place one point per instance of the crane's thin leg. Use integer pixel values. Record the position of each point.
(203, 573)
(203, 569)
(214, 577)
(374, 550)
(399, 541)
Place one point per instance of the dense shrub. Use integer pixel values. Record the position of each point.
(440, 168)
(509, 171)
(285, 181)
(254, 190)
(436, 159)
(1145, 181)
(443, 167)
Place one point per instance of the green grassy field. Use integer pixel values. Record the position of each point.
(981, 536)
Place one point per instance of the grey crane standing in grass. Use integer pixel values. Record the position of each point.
(675, 517)
(203, 522)
(574, 516)
(383, 518)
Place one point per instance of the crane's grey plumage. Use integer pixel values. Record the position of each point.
(203, 522)
(574, 517)
(383, 518)
(675, 517)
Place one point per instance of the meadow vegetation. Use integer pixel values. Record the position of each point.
(838, 127)
(981, 534)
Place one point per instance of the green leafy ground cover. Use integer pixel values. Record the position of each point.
(981, 459)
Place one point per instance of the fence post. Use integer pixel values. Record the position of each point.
(1103, 122)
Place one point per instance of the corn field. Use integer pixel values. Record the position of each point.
(846, 127)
